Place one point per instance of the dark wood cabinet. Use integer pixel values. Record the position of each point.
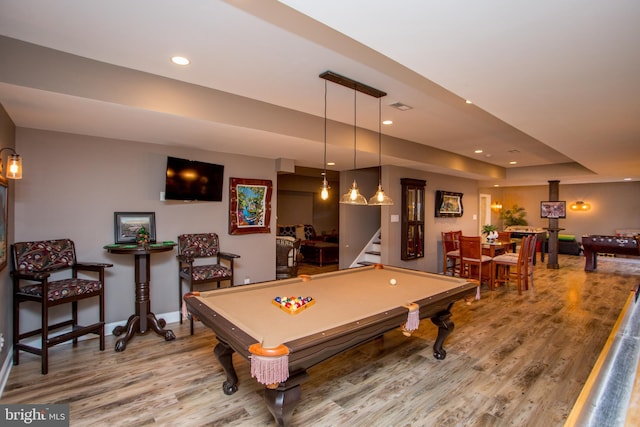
(412, 243)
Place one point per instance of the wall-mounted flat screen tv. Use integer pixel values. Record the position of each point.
(553, 209)
(193, 180)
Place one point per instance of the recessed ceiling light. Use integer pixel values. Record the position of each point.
(496, 185)
(478, 151)
(513, 162)
(627, 179)
(331, 163)
(180, 60)
(468, 102)
(387, 122)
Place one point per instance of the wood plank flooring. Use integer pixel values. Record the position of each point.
(512, 361)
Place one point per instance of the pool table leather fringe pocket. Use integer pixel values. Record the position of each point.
(413, 319)
(269, 366)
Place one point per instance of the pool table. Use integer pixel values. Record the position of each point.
(349, 307)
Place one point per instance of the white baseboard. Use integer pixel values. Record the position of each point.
(6, 369)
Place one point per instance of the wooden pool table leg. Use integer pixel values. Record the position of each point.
(282, 401)
(445, 326)
(224, 353)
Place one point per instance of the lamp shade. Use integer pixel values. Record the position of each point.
(380, 199)
(353, 196)
(14, 166)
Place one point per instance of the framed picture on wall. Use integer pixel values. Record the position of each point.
(4, 212)
(249, 206)
(127, 225)
(448, 204)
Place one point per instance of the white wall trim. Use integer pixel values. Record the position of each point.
(6, 369)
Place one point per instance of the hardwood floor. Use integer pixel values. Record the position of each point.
(512, 361)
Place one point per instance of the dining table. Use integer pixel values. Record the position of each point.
(493, 249)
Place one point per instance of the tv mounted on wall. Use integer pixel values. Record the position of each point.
(553, 209)
(193, 180)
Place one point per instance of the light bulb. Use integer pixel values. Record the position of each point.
(324, 194)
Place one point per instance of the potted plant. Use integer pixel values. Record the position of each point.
(514, 216)
(490, 231)
(488, 228)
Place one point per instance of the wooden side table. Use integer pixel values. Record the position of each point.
(143, 318)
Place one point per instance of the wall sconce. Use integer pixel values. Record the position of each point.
(496, 206)
(14, 164)
(580, 206)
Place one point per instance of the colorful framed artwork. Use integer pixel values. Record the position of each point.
(249, 206)
(127, 225)
(4, 215)
(448, 204)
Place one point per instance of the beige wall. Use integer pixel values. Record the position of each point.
(432, 261)
(614, 206)
(73, 184)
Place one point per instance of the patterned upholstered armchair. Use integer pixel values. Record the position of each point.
(199, 263)
(32, 268)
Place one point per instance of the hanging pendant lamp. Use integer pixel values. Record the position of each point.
(353, 196)
(380, 199)
(324, 192)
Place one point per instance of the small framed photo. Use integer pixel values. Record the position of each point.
(553, 209)
(127, 225)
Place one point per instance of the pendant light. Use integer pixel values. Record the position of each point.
(380, 199)
(353, 196)
(324, 193)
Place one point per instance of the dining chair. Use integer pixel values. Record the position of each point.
(504, 237)
(531, 256)
(472, 261)
(512, 266)
(451, 252)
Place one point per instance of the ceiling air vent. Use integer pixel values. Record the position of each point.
(400, 106)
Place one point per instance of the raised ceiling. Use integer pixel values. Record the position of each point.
(554, 85)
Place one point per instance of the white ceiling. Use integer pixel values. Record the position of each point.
(555, 85)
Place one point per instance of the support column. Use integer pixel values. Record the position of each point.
(552, 249)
